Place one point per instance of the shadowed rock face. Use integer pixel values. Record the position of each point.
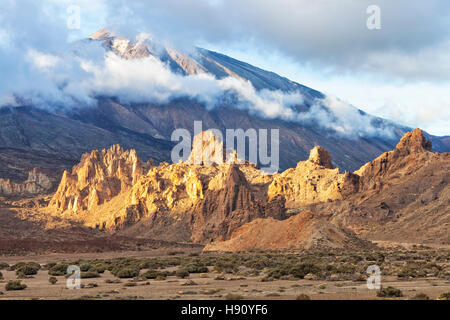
(302, 231)
(223, 211)
(412, 152)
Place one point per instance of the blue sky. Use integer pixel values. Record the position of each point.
(400, 71)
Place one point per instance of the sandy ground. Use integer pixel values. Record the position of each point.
(205, 286)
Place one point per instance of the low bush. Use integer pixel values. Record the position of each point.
(302, 296)
(182, 273)
(125, 272)
(15, 285)
(85, 267)
(420, 296)
(100, 268)
(4, 266)
(233, 296)
(153, 274)
(59, 269)
(52, 280)
(27, 269)
(445, 296)
(195, 268)
(49, 265)
(389, 292)
(226, 267)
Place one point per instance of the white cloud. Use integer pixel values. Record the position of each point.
(345, 120)
(42, 60)
(328, 38)
(149, 79)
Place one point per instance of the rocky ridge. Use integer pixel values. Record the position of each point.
(37, 183)
(228, 204)
(313, 180)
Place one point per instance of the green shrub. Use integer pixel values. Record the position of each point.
(226, 267)
(1, 275)
(49, 265)
(100, 268)
(420, 296)
(59, 269)
(297, 271)
(27, 270)
(153, 274)
(445, 296)
(233, 296)
(182, 273)
(389, 292)
(15, 285)
(301, 270)
(52, 280)
(126, 272)
(85, 267)
(19, 265)
(302, 296)
(4, 266)
(195, 268)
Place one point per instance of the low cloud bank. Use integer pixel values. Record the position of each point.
(41, 68)
(68, 81)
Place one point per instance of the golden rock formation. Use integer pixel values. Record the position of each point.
(98, 178)
(411, 153)
(313, 180)
(237, 204)
(36, 183)
(109, 190)
(208, 148)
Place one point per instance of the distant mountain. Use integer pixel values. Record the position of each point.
(31, 137)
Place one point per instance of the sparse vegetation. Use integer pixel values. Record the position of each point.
(85, 267)
(319, 267)
(153, 274)
(15, 285)
(182, 273)
(27, 269)
(302, 296)
(389, 292)
(420, 296)
(445, 296)
(126, 272)
(59, 269)
(233, 296)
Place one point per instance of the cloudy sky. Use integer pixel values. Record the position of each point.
(400, 71)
